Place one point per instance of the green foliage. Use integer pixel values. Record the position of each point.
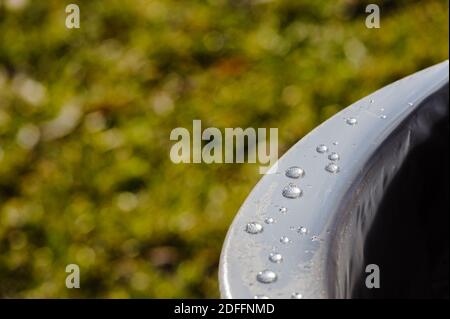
(85, 118)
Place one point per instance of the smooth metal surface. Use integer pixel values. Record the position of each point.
(327, 225)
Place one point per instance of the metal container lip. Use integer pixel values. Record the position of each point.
(356, 134)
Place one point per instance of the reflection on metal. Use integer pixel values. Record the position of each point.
(348, 164)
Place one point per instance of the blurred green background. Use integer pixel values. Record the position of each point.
(85, 118)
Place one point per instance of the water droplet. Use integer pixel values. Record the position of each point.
(383, 116)
(275, 258)
(332, 168)
(260, 297)
(351, 121)
(302, 230)
(296, 295)
(266, 276)
(322, 148)
(335, 143)
(254, 228)
(292, 191)
(382, 109)
(269, 220)
(333, 156)
(372, 101)
(295, 172)
(316, 238)
(410, 103)
(284, 240)
(283, 210)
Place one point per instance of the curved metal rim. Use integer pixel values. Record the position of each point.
(312, 260)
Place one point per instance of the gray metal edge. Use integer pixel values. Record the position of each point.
(303, 269)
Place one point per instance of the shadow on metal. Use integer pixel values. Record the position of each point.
(368, 186)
